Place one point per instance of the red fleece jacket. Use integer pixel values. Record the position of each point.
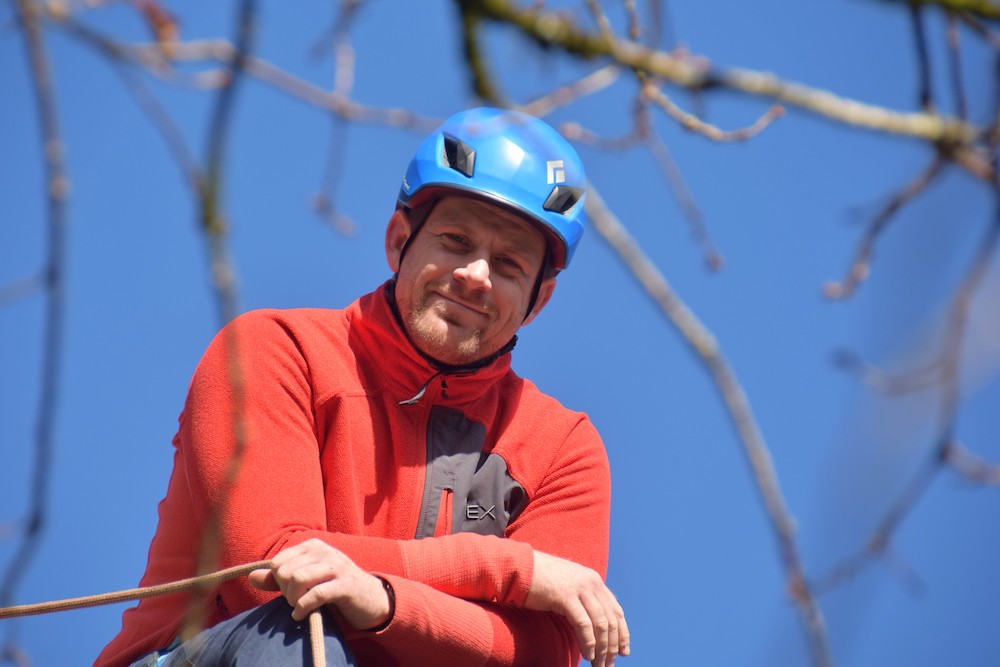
(331, 454)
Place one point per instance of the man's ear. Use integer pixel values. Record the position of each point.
(396, 234)
(544, 294)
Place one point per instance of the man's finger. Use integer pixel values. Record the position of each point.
(601, 627)
(623, 634)
(264, 580)
(580, 619)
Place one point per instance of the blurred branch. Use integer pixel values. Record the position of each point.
(872, 376)
(672, 173)
(982, 8)
(215, 230)
(160, 64)
(945, 450)
(861, 266)
(691, 122)
(926, 95)
(481, 81)
(552, 30)
(971, 466)
(644, 134)
(20, 289)
(705, 346)
(955, 68)
(991, 38)
(56, 195)
(597, 80)
(325, 199)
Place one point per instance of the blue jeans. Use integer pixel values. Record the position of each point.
(264, 636)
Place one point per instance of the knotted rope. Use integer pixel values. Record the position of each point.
(141, 593)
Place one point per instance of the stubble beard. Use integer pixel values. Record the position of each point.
(435, 335)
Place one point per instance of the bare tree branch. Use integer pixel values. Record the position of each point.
(554, 31)
(704, 345)
(325, 199)
(215, 231)
(926, 95)
(672, 174)
(691, 122)
(955, 68)
(595, 81)
(57, 193)
(972, 467)
(861, 266)
(913, 380)
(982, 8)
(20, 289)
(944, 450)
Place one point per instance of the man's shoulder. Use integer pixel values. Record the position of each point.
(293, 321)
(530, 400)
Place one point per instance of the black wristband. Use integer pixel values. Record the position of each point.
(392, 605)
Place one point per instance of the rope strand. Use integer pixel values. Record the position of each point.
(143, 592)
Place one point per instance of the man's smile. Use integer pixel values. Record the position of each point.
(453, 301)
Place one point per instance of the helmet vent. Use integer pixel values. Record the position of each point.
(459, 155)
(562, 198)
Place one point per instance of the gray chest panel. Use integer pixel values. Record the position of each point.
(485, 498)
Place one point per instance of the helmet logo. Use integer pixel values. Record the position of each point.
(555, 172)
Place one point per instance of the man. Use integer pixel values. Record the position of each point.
(396, 471)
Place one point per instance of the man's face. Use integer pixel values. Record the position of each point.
(466, 279)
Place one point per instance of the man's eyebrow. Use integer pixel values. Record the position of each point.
(519, 239)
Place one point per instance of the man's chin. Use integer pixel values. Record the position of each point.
(448, 343)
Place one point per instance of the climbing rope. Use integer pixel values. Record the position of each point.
(141, 593)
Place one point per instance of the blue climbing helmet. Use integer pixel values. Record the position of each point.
(509, 158)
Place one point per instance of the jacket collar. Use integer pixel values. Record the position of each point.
(410, 373)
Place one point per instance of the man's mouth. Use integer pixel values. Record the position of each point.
(465, 304)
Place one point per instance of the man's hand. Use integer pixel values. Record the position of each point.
(579, 594)
(313, 573)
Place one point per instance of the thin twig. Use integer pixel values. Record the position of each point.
(167, 127)
(215, 232)
(926, 94)
(643, 134)
(991, 37)
(691, 122)
(955, 68)
(21, 289)
(325, 199)
(594, 82)
(634, 24)
(891, 384)
(481, 79)
(672, 173)
(986, 9)
(972, 467)
(944, 448)
(861, 266)
(603, 24)
(153, 60)
(552, 30)
(57, 192)
(705, 346)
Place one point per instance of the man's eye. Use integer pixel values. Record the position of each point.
(509, 262)
(458, 239)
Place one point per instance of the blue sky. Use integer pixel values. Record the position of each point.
(693, 559)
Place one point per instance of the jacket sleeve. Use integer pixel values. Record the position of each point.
(431, 628)
(249, 448)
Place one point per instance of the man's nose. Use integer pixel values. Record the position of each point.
(475, 275)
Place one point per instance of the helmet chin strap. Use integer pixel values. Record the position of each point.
(542, 272)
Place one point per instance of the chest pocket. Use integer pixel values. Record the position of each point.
(464, 484)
